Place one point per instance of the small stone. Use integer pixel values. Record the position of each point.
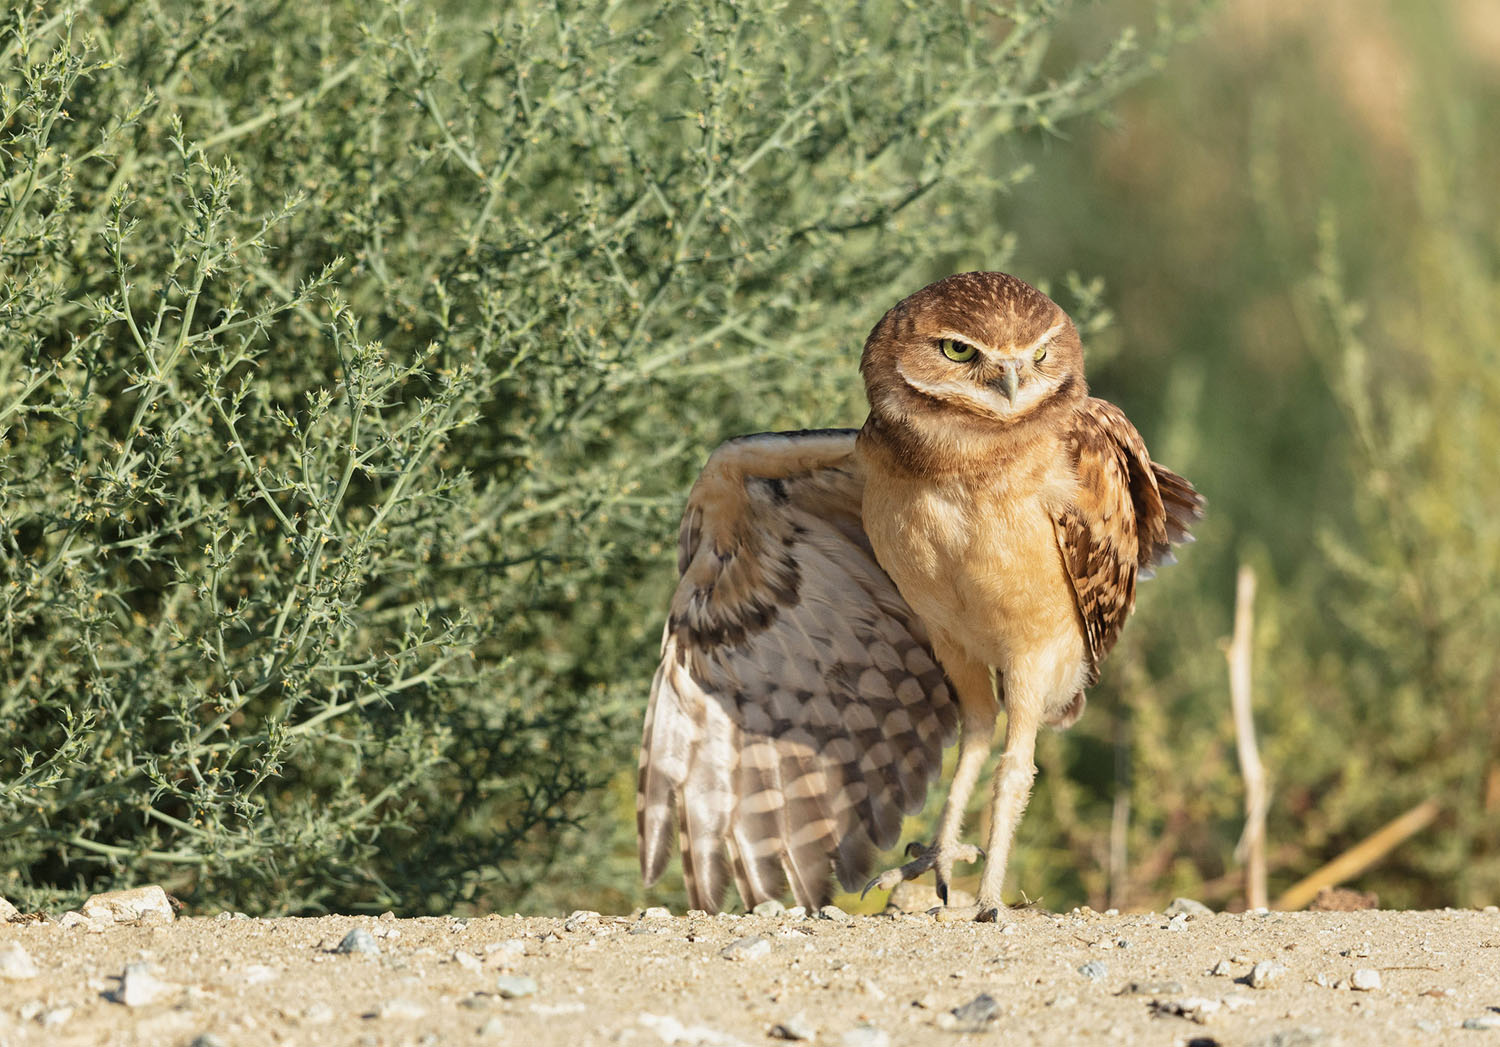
(1483, 1023)
(657, 912)
(1187, 907)
(751, 948)
(493, 1028)
(1263, 974)
(358, 940)
(74, 918)
(834, 913)
(976, 1014)
(138, 986)
(672, 1031)
(769, 907)
(52, 1017)
(1094, 971)
(8, 911)
(16, 963)
(579, 918)
(399, 1008)
(1222, 969)
(865, 1036)
(130, 906)
(797, 1027)
(512, 986)
(467, 960)
(1198, 1009)
(797, 912)
(1366, 979)
(1178, 922)
(386, 916)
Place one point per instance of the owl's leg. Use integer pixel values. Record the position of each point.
(1012, 790)
(976, 729)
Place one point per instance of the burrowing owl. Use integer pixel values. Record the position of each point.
(850, 597)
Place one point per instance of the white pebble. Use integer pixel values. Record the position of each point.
(16, 963)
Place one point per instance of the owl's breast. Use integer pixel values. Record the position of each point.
(978, 562)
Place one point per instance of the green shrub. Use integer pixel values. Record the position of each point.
(355, 359)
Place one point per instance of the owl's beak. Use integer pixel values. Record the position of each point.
(1009, 380)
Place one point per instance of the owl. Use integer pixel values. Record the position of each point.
(850, 600)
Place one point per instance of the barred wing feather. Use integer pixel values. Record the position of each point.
(798, 712)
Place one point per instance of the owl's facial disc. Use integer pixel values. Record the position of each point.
(1001, 382)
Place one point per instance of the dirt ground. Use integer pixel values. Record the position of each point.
(868, 981)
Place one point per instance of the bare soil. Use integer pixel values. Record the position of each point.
(1077, 978)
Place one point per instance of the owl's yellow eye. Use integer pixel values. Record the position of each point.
(1040, 354)
(958, 352)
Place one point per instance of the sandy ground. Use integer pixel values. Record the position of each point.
(866, 981)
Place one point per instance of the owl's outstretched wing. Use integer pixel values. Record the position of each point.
(1128, 513)
(798, 711)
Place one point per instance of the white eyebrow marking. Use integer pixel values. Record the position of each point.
(1046, 337)
(947, 335)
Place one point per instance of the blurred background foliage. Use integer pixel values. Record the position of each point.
(355, 360)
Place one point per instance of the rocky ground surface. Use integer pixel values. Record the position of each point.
(132, 974)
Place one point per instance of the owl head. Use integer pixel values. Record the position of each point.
(976, 351)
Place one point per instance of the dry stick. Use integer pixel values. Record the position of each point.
(1252, 846)
(1361, 856)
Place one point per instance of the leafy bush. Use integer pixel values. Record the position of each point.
(354, 361)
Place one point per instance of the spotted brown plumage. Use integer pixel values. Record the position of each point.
(847, 599)
(1125, 515)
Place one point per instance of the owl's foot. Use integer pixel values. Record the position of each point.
(923, 858)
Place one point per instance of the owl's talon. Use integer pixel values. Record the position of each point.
(924, 858)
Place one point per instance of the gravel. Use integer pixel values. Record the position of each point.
(359, 940)
(752, 948)
(16, 963)
(865, 1036)
(1265, 974)
(1188, 907)
(794, 1027)
(511, 986)
(138, 986)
